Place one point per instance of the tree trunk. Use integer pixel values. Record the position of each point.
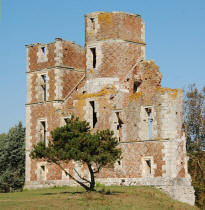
(92, 178)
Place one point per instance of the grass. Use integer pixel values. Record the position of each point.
(75, 198)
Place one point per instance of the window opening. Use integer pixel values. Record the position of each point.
(150, 120)
(93, 22)
(43, 131)
(94, 114)
(43, 50)
(44, 86)
(66, 119)
(136, 85)
(43, 168)
(42, 173)
(119, 163)
(148, 167)
(93, 51)
(119, 124)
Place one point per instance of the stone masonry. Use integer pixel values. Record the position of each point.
(110, 84)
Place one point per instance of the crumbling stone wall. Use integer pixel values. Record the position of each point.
(111, 85)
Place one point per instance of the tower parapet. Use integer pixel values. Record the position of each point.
(102, 26)
(114, 42)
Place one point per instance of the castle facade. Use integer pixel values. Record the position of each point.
(110, 84)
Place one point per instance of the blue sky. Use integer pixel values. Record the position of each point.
(175, 37)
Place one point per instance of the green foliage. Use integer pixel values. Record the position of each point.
(74, 141)
(197, 171)
(98, 184)
(12, 159)
(194, 118)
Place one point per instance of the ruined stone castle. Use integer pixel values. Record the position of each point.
(110, 84)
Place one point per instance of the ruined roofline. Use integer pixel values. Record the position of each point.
(72, 42)
(114, 12)
(56, 39)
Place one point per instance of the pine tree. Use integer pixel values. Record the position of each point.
(74, 141)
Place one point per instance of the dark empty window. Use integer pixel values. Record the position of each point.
(148, 166)
(43, 50)
(42, 173)
(66, 120)
(94, 114)
(44, 86)
(93, 51)
(43, 168)
(119, 124)
(93, 23)
(136, 85)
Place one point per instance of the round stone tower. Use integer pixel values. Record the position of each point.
(114, 42)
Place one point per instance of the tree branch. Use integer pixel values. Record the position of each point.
(83, 178)
(72, 177)
(99, 167)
